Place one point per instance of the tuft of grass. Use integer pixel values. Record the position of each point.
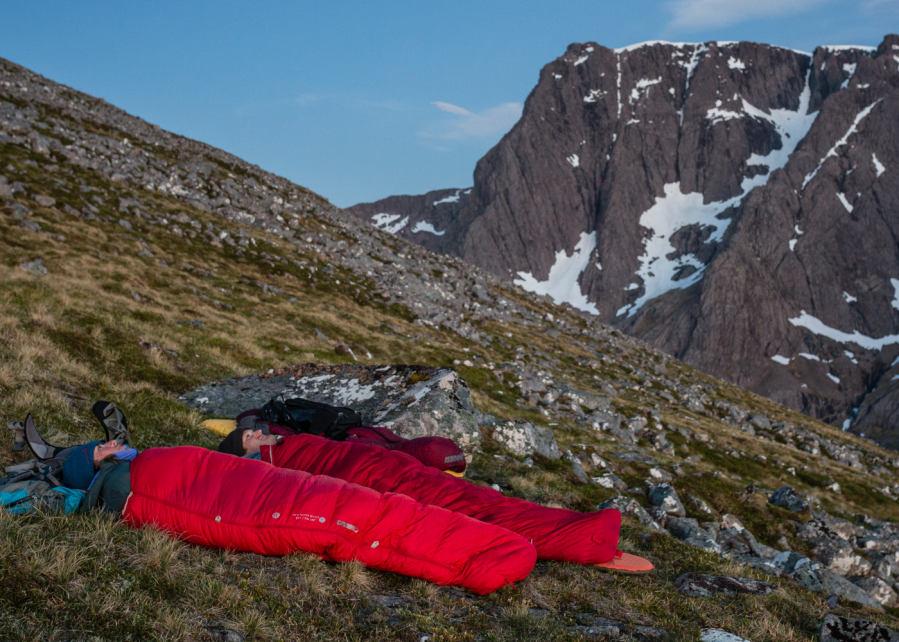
(354, 576)
(158, 554)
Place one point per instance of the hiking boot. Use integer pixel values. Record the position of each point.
(41, 449)
(114, 422)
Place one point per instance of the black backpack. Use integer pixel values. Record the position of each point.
(312, 417)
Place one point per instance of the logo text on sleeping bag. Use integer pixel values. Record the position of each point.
(306, 517)
(453, 458)
(349, 526)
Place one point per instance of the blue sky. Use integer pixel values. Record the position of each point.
(362, 100)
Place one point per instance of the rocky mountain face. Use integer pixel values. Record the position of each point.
(734, 204)
(419, 219)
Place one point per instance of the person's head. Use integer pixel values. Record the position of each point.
(246, 441)
(107, 450)
(81, 465)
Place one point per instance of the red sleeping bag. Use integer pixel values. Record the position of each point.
(222, 501)
(439, 452)
(558, 534)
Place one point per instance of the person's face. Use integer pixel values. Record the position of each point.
(107, 450)
(253, 440)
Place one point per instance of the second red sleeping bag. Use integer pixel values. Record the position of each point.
(558, 534)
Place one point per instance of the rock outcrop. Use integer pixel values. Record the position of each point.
(734, 204)
(413, 401)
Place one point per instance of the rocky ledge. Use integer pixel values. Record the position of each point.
(413, 401)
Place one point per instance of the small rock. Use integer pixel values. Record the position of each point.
(596, 631)
(630, 508)
(699, 505)
(719, 635)
(599, 462)
(660, 475)
(786, 497)
(760, 421)
(523, 438)
(842, 629)
(689, 532)
(344, 350)
(877, 589)
(36, 267)
(705, 585)
(125, 224)
(664, 497)
(577, 467)
(611, 481)
(30, 225)
(46, 201)
(225, 635)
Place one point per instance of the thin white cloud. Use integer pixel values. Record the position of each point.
(452, 109)
(694, 15)
(466, 124)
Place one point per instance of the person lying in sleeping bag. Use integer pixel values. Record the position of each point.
(438, 452)
(558, 534)
(215, 500)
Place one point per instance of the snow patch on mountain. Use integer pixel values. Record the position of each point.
(643, 85)
(676, 210)
(850, 69)
(839, 48)
(736, 63)
(833, 150)
(386, 222)
(816, 326)
(452, 198)
(422, 226)
(784, 361)
(878, 166)
(845, 202)
(717, 115)
(562, 284)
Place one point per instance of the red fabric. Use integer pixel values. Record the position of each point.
(558, 534)
(222, 501)
(438, 452)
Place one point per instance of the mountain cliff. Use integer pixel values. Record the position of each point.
(734, 204)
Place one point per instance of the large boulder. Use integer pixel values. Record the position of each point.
(832, 550)
(413, 401)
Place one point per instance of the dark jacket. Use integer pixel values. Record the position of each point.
(111, 488)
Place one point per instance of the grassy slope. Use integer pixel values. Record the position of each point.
(75, 335)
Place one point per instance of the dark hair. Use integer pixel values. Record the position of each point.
(233, 443)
